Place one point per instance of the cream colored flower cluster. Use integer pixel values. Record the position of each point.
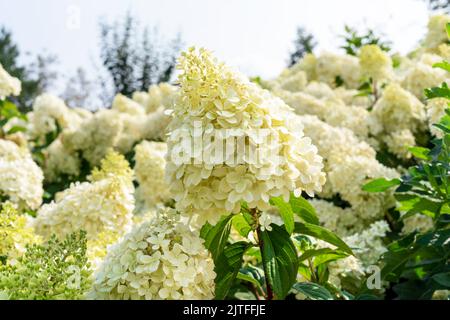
(159, 259)
(20, 177)
(349, 164)
(368, 245)
(217, 103)
(50, 112)
(436, 34)
(159, 96)
(120, 128)
(104, 203)
(375, 63)
(342, 221)
(150, 174)
(15, 233)
(396, 113)
(9, 85)
(60, 162)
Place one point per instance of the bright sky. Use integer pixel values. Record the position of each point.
(253, 35)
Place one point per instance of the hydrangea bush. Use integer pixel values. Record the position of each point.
(329, 181)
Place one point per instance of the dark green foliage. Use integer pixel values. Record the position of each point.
(353, 41)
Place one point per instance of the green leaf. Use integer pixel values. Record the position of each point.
(279, 260)
(304, 209)
(443, 65)
(438, 92)
(442, 278)
(241, 225)
(420, 152)
(227, 267)
(380, 185)
(322, 255)
(313, 291)
(15, 129)
(216, 236)
(285, 211)
(319, 232)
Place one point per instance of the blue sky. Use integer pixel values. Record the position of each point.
(253, 35)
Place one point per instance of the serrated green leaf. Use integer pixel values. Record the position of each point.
(380, 185)
(420, 152)
(322, 255)
(313, 291)
(443, 65)
(285, 211)
(443, 279)
(319, 232)
(216, 236)
(241, 225)
(304, 209)
(279, 260)
(227, 267)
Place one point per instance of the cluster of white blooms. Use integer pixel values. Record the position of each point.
(398, 143)
(104, 203)
(435, 111)
(398, 109)
(49, 113)
(350, 163)
(418, 222)
(397, 116)
(60, 162)
(436, 31)
(342, 221)
(150, 174)
(159, 96)
(330, 67)
(368, 245)
(158, 259)
(421, 76)
(216, 99)
(20, 177)
(120, 128)
(9, 86)
(375, 63)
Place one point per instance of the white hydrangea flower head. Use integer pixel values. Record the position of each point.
(342, 221)
(330, 66)
(141, 97)
(368, 245)
(9, 85)
(160, 96)
(319, 90)
(350, 163)
(105, 203)
(60, 161)
(375, 63)
(21, 178)
(292, 82)
(49, 113)
(95, 136)
(150, 174)
(213, 97)
(436, 34)
(435, 111)
(159, 259)
(124, 104)
(398, 143)
(421, 76)
(154, 126)
(398, 109)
